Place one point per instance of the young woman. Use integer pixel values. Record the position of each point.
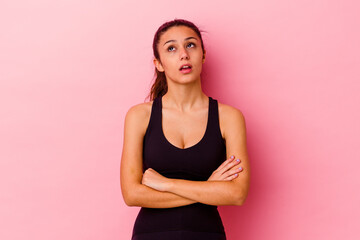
(184, 153)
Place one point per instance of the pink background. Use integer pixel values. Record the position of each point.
(70, 70)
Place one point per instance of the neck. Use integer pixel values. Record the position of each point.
(184, 97)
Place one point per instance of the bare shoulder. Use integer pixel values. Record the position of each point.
(138, 116)
(231, 119)
(136, 121)
(139, 110)
(229, 111)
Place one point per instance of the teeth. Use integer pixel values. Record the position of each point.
(185, 67)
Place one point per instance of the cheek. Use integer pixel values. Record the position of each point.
(199, 68)
(199, 62)
(165, 62)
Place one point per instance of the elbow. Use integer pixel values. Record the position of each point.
(240, 198)
(129, 199)
(133, 197)
(131, 202)
(239, 201)
(128, 202)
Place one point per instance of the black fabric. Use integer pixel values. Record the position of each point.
(196, 163)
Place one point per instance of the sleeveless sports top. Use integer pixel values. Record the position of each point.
(194, 163)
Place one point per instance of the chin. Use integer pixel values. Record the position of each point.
(190, 80)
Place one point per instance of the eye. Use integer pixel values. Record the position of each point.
(170, 48)
(192, 44)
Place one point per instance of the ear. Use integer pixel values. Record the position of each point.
(204, 56)
(158, 65)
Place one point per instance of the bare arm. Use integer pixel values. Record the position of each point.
(151, 198)
(135, 193)
(213, 192)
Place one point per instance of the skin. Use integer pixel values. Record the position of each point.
(184, 121)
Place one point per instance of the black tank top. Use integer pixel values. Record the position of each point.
(194, 163)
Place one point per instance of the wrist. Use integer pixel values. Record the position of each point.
(170, 184)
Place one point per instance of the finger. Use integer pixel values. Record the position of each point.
(231, 177)
(229, 173)
(226, 162)
(230, 165)
(233, 171)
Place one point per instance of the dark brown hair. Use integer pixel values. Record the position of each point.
(159, 87)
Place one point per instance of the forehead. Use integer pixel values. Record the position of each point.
(178, 33)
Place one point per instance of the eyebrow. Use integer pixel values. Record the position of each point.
(184, 39)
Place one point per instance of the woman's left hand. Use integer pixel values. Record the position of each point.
(155, 180)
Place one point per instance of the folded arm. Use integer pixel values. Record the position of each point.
(232, 192)
(207, 192)
(142, 190)
(143, 196)
(134, 193)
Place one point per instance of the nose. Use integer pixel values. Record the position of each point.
(183, 54)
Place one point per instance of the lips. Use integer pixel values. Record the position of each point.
(183, 66)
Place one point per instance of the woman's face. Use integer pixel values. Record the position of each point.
(180, 45)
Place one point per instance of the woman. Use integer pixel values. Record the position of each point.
(184, 153)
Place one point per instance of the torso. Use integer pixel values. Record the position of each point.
(185, 130)
(181, 155)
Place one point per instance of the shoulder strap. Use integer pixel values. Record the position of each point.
(214, 118)
(154, 115)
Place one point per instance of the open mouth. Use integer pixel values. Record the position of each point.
(185, 69)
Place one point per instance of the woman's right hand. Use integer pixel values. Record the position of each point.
(225, 172)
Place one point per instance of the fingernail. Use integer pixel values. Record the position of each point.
(238, 160)
(236, 174)
(240, 168)
(232, 156)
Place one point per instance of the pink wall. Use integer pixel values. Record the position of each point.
(69, 71)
